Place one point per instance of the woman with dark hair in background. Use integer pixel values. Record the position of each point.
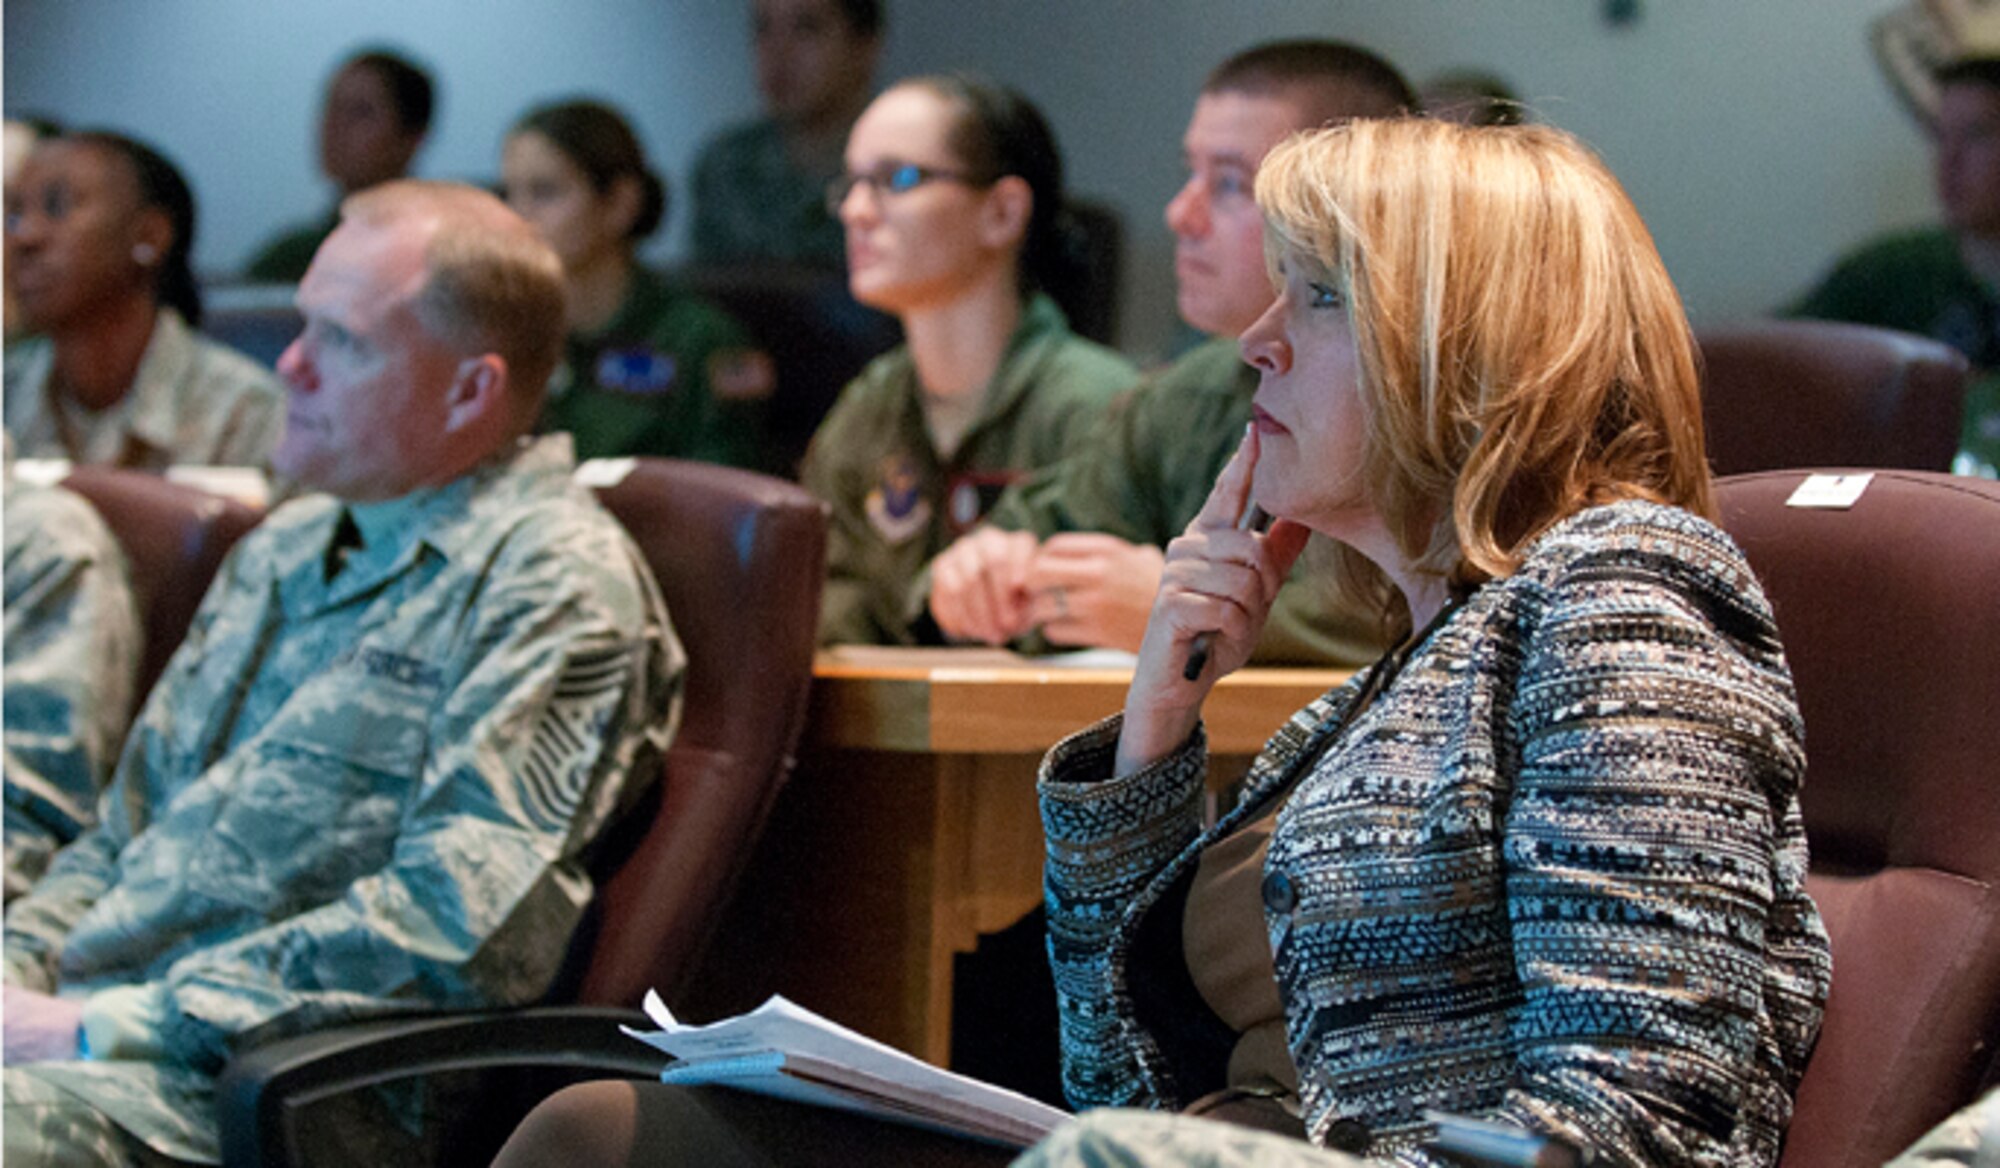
(952, 203)
(649, 370)
(99, 231)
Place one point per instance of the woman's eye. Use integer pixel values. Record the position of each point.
(1326, 296)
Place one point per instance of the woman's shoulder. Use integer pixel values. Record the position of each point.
(1635, 556)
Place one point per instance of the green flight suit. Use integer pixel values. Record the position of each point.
(672, 375)
(284, 258)
(365, 784)
(1916, 281)
(897, 501)
(1144, 474)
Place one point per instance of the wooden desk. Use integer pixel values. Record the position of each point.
(911, 828)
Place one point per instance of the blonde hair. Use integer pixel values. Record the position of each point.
(1522, 352)
(491, 284)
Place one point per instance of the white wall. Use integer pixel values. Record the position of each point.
(1756, 137)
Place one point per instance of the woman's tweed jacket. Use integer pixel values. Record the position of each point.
(1554, 875)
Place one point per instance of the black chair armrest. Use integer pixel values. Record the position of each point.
(263, 1089)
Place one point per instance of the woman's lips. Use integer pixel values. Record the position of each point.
(1266, 424)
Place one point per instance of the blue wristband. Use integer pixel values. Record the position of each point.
(82, 1042)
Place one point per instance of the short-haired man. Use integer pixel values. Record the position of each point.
(1943, 282)
(375, 118)
(1076, 551)
(760, 188)
(404, 710)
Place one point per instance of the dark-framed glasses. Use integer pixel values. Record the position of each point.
(891, 178)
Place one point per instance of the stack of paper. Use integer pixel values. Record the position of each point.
(784, 1050)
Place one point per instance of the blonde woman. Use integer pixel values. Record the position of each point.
(1543, 863)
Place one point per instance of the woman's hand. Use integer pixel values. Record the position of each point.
(1219, 581)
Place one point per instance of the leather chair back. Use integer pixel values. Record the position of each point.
(175, 537)
(1892, 628)
(1798, 393)
(818, 338)
(740, 558)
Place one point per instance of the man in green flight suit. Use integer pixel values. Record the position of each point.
(1076, 551)
(1943, 282)
(402, 713)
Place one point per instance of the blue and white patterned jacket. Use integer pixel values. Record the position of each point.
(1555, 875)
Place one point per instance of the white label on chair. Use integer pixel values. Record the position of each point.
(245, 484)
(604, 472)
(41, 472)
(1830, 492)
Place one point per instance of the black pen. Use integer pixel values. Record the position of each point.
(1252, 519)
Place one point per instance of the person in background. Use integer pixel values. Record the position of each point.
(22, 134)
(1075, 552)
(1478, 379)
(1943, 281)
(648, 369)
(951, 202)
(71, 647)
(377, 113)
(99, 231)
(368, 778)
(1473, 97)
(759, 188)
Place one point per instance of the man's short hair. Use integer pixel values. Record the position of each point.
(410, 89)
(491, 284)
(1334, 79)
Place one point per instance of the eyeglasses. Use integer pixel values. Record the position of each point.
(892, 178)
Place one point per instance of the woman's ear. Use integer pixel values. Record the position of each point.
(1004, 216)
(152, 236)
(622, 203)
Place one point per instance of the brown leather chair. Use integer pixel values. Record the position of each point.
(1892, 628)
(740, 558)
(175, 537)
(1797, 393)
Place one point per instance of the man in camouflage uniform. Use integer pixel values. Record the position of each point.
(403, 712)
(72, 658)
(1969, 1139)
(1076, 551)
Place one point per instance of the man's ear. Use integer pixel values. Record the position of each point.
(1003, 217)
(478, 393)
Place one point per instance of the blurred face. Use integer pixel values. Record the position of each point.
(367, 384)
(1968, 157)
(810, 64)
(73, 222)
(1311, 424)
(361, 142)
(1218, 230)
(584, 226)
(921, 247)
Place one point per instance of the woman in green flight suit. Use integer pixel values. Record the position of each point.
(649, 369)
(952, 205)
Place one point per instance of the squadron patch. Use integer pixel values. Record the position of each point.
(972, 494)
(896, 507)
(640, 370)
(741, 375)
